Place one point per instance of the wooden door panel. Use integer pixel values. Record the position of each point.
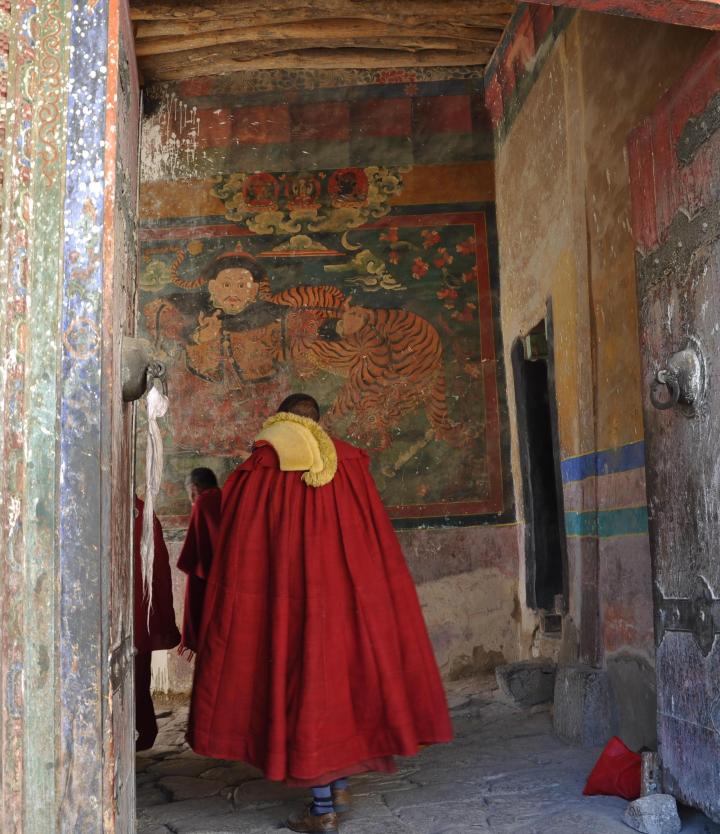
(123, 252)
(689, 721)
(675, 176)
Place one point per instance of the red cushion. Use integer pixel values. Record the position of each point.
(616, 773)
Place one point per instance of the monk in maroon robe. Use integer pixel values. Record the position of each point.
(197, 551)
(314, 661)
(157, 632)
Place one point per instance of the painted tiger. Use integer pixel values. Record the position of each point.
(393, 362)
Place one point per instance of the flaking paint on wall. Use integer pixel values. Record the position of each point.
(420, 274)
(565, 235)
(468, 622)
(437, 137)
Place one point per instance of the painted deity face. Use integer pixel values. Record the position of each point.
(233, 289)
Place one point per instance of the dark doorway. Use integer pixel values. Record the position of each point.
(539, 456)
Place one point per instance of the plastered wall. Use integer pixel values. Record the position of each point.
(564, 227)
(261, 165)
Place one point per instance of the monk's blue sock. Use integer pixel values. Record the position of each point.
(322, 800)
(340, 785)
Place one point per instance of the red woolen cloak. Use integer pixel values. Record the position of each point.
(195, 560)
(314, 658)
(159, 632)
(162, 631)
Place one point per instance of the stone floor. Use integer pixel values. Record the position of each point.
(504, 774)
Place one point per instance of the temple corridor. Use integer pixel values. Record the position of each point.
(482, 239)
(506, 773)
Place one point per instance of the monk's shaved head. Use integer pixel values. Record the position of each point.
(200, 479)
(301, 404)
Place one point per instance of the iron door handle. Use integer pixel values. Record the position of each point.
(668, 380)
(140, 369)
(683, 377)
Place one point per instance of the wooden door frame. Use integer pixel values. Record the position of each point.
(702, 14)
(60, 354)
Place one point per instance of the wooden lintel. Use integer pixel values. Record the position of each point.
(151, 29)
(357, 50)
(323, 34)
(177, 41)
(703, 14)
(315, 9)
(321, 59)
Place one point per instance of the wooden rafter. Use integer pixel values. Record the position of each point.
(316, 9)
(326, 33)
(195, 66)
(153, 29)
(177, 41)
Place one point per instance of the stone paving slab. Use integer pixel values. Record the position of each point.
(189, 787)
(505, 774)
(575, 822)
(149, 796)
(446, 817)
(176, 767)
(389, 826)
(191, 815)
(154, 828)
(231, 774)
(262, 794)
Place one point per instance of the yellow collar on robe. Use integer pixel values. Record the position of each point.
(302, 445)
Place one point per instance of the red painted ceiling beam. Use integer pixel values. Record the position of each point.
(704, 14)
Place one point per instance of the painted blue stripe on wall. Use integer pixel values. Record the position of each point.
(626, 521)
(606, 462)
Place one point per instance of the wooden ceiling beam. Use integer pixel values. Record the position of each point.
(243, 53)
(312, 10)
(149, 30)
(323, 33)
(318, 59)
(179, 40)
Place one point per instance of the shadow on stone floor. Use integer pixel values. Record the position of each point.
(504, 774)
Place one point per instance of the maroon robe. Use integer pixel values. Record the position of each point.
(195, 560)
(314, 658)
(160, 632)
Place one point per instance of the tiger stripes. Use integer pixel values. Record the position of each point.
(393, 364)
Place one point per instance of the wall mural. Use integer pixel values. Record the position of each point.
(313, 281)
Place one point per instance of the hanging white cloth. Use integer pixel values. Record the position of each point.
(159, 673)
(157, 406)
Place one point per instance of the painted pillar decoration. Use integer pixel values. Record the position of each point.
(53, 467)
(4, 50)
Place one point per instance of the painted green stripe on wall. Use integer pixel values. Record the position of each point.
(621, 522)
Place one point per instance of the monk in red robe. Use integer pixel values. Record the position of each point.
(197, 551)
(314, 661)
(157, 632)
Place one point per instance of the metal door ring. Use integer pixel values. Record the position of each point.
(683, 377)
(665, 380)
